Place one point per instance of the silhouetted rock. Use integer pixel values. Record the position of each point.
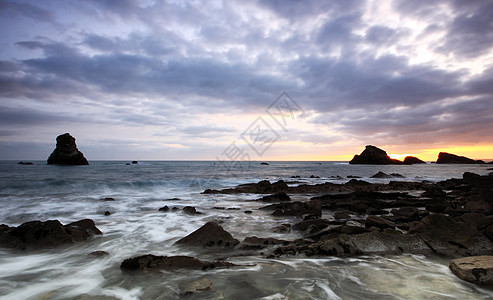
(475, 269)
(27, 163)
(381, 174)
(37, 234)
(209, 235)
(66, 152)
(279, 197)
(447, 158)
(411, 160)
(374, 156)
(264, 163)
(151, 262)
(134, 162)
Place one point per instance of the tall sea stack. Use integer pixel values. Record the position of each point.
(66, 152)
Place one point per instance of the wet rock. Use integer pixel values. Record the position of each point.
(378, 222)
(253, 242)
(107, 199)
(342, 215)
(190, 210)
(434, 192)
(299, 209)
(107, 213)
(475, 269)
(66, 152)
(151, 262)
(448, 158)
(381, 174)
(279, 197)
(164, 208)
(411, 160)
(374, 156)
(197, 286)
(406, 214)
(209, 235)
(264, 163)
(26, 163)
(134, 162)
(444, 235)
(318, 224)
(37, 234)
(248, 211)
(99, 253)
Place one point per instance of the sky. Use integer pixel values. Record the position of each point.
(257, 80)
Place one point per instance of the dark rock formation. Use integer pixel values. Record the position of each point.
(411, 160)
(253, 242)
(190, 210)
(298, 209)
(264, 163)
(378, 222)
(37, 234)
(66, 152)
(475, 269)
(447, 158)
(279, 197)
(209, 235)
(26, 163)
(151, 262)
(374, 156)
(381, 174)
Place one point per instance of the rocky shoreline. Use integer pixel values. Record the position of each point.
(451, 218)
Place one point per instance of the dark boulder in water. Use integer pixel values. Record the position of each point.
(151, 262)
(209, 235)
(37, 234)
(374, 156)
(26, 163)
(448, 158)
(66, 152)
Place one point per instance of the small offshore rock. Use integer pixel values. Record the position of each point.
(190, 210)
(264, 163)
(99, 253)
(66, 152)
(374, 156)
(411, 160)
(27, 163)
(164, 208)
(107, 213)
(448, 158)
(475, 269)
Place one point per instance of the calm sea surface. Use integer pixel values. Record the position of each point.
(136, 227)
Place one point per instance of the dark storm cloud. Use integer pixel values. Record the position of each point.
(13, 8)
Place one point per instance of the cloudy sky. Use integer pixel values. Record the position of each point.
(143, 79)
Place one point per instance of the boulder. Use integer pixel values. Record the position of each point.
(374, 156)
(448, 158)
(151, 262)
(253, 242)
(209, 235)
(411, 160)
(381, 174)
(66, 152)
(475, 269)
(37, 234)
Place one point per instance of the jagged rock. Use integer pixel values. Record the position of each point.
(411, 160)
(37, 234)
(374, 156)
(448, 158)
(151, 262)
(209, 235)
(66, 152)
(475, 269)
(279, 197)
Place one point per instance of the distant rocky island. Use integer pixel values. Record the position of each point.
(375, 156)
(66, 152)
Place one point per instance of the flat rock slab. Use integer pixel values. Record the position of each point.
(475, 269)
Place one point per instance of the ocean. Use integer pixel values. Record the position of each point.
(137, 227)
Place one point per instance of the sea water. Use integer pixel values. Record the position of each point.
(137, 227)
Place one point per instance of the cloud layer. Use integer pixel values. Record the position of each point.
(182, 80)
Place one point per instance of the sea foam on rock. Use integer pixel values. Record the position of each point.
(66, 152)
